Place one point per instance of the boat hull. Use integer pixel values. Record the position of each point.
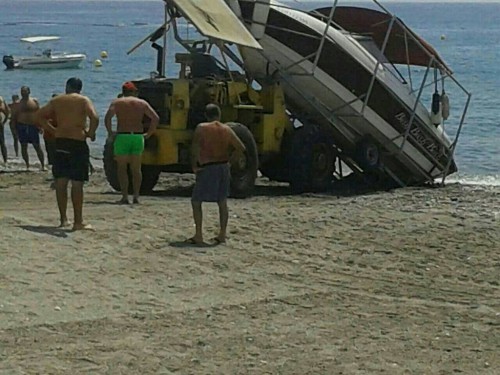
(44, 62)
(338, 83)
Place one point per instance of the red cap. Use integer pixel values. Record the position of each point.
(129, 86)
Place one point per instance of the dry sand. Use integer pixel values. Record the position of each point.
(400, 282)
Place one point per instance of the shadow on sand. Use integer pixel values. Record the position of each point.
(348, 186)
(53, 231)
(15, 171)
(115, 202)
(351, 185)
(188, 245)
(186, 191)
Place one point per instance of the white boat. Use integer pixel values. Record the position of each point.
(338, 78)
(47, 59)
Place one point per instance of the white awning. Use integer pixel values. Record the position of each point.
(214, 19)
(36, 39)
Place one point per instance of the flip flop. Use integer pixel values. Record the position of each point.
(218, 241)
(192, 241)
(85, 227)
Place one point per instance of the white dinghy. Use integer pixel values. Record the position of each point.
(46, 59)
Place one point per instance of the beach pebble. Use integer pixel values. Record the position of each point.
(57, 308)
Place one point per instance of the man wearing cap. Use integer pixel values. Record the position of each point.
(71, 162)
(129, 140)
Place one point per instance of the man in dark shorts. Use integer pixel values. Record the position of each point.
(4, 109)
(128, 143)
(71, 111)
(213, 144)
(27, 131)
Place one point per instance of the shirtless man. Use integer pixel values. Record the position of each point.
(49, 139)
(213, 143)
(12, 106)
(4, 109)
(70, 111)
(23, 118)
(129, 140)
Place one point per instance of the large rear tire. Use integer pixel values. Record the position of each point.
(312, 159)
(110, 169)
(150, 173)
(150, 176)
(367, 155)
(244, 170)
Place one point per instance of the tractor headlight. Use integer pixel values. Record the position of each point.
(179, 104)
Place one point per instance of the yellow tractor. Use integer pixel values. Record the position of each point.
(256, 112)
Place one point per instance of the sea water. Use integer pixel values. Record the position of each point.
(467, 36)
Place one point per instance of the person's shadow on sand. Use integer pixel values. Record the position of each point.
(44, 229)
(186, 244)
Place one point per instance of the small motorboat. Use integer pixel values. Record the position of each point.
(47, 59)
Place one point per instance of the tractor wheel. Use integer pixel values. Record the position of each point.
(150, 173)
(110, 169)
(150, 176)
(367, 155)
(275, 169)
(244, 170)
(311, 160)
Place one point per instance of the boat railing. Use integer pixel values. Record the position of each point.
(434, 63)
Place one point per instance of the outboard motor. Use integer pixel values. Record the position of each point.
(9, 61)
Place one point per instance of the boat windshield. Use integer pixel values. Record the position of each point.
(369, 44)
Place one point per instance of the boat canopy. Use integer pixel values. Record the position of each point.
(36, 39)
(403, 43)
(214, 19)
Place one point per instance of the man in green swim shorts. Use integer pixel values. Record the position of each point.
(129, 139)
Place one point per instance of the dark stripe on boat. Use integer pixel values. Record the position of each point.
(247, 9)
(353, 76)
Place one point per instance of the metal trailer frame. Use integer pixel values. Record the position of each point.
(333, 115)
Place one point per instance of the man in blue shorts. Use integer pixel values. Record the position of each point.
(23, 118)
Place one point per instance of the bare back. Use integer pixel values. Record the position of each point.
(130, 112)
(215, 141)
(70, 112)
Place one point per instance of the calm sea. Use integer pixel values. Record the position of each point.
(471, 46)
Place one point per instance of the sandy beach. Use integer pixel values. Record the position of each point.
(399, 282)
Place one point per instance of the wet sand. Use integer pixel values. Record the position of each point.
(399, 282)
